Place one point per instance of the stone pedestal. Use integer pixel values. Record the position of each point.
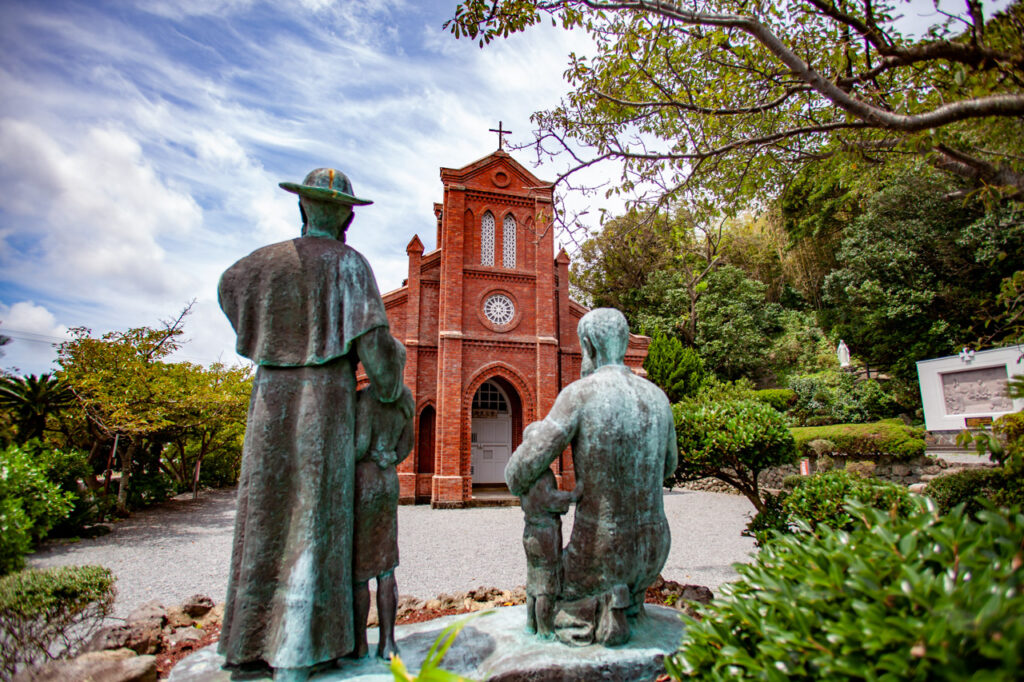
(494, 647)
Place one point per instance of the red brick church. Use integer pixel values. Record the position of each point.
(489, 329)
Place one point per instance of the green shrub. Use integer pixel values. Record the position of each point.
(922, 597)
(779, 398)
(732, 441)
(67, 468)
(853, 440)
(1011, 491)
(971, 486)
(49, 614)
(820, 500)
(676, 370)
(715, 390)
(29, 506)
(839, 398)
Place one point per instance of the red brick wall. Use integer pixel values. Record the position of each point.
(452, 348)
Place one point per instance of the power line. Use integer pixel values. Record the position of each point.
(25, 335)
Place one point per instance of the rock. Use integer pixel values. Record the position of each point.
(917, 487)
(184, 635)
(697, 593)
(141, 637)
(214, 617)
(177, 618)
(98, 666)
(932, 469)
(152, 610)
(900, 470)
(433, 605)
(197, 605)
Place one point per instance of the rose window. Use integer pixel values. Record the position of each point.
(499, 309)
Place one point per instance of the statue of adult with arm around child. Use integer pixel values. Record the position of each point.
(622, 433)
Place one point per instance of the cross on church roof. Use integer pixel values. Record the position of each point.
(501, 135)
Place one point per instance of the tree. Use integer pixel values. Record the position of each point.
(134, 403)
(735, 324)
(916, 268)
(676, 370)
(728, 98)
(731, 440)
(616, 262)
(653, 267)
(214, 403)
(31, 400)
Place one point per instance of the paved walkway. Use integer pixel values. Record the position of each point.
(181, 548)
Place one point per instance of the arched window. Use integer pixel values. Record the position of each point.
(490, 398)
(425, 446)
(487, 239)
(508, 242)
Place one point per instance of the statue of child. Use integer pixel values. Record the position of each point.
(543, 506)
(384, 438)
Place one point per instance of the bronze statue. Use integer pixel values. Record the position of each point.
(383, 440)
(306, 311)
(623, 442)
(543, 506)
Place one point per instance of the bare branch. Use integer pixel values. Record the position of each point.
(754, 109)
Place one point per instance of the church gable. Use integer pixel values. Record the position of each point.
(499, 173)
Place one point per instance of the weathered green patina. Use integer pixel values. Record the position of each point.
(307, 311)
(384, 438)
(623, 442)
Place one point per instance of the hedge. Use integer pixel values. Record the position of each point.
(852, 440)
(779, 398)
(49, 614)
(821, 500)
(922, 597)
(970, 486)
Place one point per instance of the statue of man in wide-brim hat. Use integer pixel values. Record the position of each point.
(306, 311)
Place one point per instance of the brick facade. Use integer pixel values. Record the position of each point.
(453, 347)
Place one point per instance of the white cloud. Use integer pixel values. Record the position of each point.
(33, 330)
(146, 162)
(96, 209)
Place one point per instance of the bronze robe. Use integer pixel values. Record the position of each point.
(623, 441)
(306, 311)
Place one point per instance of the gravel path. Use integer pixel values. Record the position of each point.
(182, 547)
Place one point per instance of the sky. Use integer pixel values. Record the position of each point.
(141, 144)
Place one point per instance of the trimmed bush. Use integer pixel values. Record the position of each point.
(29, 506)
(971, 486)
(49, 614)
(852, 440)
(820, 500)
(732, 441)
(779, 398)
(922, 597)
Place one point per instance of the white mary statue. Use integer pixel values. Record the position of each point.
(843, 353)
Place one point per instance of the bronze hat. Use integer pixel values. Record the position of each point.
(326, 184)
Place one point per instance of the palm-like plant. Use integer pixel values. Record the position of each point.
(31, 399)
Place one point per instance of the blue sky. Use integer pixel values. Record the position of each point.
(141, 144)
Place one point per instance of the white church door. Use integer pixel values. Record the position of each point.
(491, 434)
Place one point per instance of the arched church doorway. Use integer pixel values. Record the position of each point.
(496, 430)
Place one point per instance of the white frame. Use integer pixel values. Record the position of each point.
(930, 373)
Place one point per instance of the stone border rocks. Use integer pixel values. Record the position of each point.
(128, 651)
